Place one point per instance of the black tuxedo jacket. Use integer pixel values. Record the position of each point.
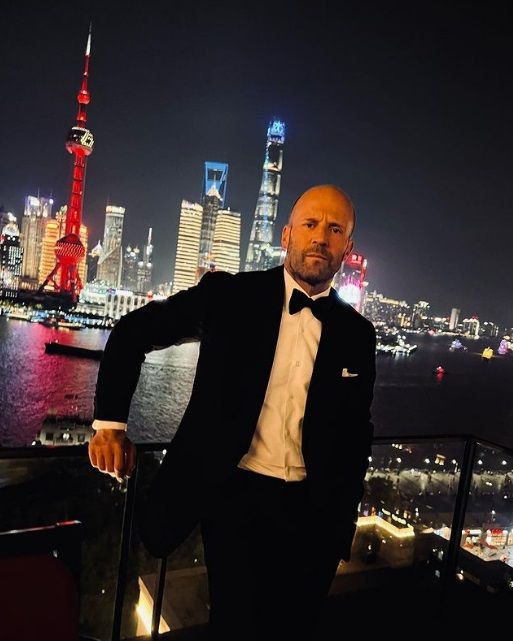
(237, 319)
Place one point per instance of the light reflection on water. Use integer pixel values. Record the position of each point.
(474, 396)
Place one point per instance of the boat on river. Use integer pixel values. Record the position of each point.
(54, 347)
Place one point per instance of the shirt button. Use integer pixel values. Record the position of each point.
(298, 363)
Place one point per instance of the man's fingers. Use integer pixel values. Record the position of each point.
(131, 454)
(119, 462)
(100, 461)
(112, 453)
(92, 455)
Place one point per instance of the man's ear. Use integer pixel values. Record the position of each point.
(285, 236)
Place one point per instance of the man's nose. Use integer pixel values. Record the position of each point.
(321, 235)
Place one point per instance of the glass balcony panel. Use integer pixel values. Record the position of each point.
(36, 491)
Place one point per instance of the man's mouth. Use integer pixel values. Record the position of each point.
(320, 256)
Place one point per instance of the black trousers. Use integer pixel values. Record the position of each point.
(270, 560)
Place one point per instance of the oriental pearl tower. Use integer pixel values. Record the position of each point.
(69, 250)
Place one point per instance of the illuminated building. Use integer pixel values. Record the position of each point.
(145, 267)
(211, 204)
(69, 249)
(272, 257)
(92, 261)
(489, 330)
(11, 257)
(212, 198)
(385, 311)
(120, 301)
(130, 261)
(110, 262)
(216, 175)
(349, 280)
(454, 320)
(226, 241)
(471, 327)
(420, 314)
(54, 229)
(37, 212)
(267, 204)
(187, 246)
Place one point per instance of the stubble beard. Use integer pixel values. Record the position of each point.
(315, 273)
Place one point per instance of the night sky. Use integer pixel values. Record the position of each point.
(407, 106)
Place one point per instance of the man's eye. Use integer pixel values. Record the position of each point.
(337, 230)
(309, 224)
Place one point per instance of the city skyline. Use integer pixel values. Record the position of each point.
(371, 104)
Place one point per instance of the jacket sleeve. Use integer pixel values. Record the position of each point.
(158, 324)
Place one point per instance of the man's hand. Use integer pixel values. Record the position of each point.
(112, 452)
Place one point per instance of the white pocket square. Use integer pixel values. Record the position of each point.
(346, 374)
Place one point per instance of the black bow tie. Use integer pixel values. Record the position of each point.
(320, 307)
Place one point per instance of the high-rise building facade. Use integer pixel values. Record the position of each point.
(110, 263)
(92, 261)
(37, 212)
(54, 229)
(226, 241)
(145, 266)
(187, 246)
(215, 175)
(266, 210)
(455, 318)
(382, 310)
(11, 257)
(211, 203)
(349, 280)
(130, 261)
(212, 199)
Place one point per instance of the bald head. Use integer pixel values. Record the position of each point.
(329, 195)
(317, 236)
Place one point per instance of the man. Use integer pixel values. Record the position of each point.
(272, 450)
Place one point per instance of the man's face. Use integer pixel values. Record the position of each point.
(318, 236)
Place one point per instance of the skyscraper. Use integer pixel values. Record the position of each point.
(110, 263)
(37, 212)
(211, 204)
(11, 257)
(212, 198)
(145, 266)
(349, 280)
(216, 175)
(53, 230)
(226, 242)
(92, 261)
(187, 246)
(130, 261)
(267, 204)
(454, 320)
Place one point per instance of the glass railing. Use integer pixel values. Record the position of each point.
(436, 511)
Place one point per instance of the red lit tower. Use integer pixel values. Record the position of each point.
(69, 249)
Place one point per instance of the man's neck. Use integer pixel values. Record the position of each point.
(310, 289)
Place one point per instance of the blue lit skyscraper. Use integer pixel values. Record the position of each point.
(261, 238)
(213, 197)
(216, 175)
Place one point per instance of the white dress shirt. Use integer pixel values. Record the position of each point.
(276, 446)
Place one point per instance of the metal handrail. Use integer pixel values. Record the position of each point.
(470, 442)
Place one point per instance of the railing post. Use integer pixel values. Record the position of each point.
(158, 598)
(126, 536)
(460, 509)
